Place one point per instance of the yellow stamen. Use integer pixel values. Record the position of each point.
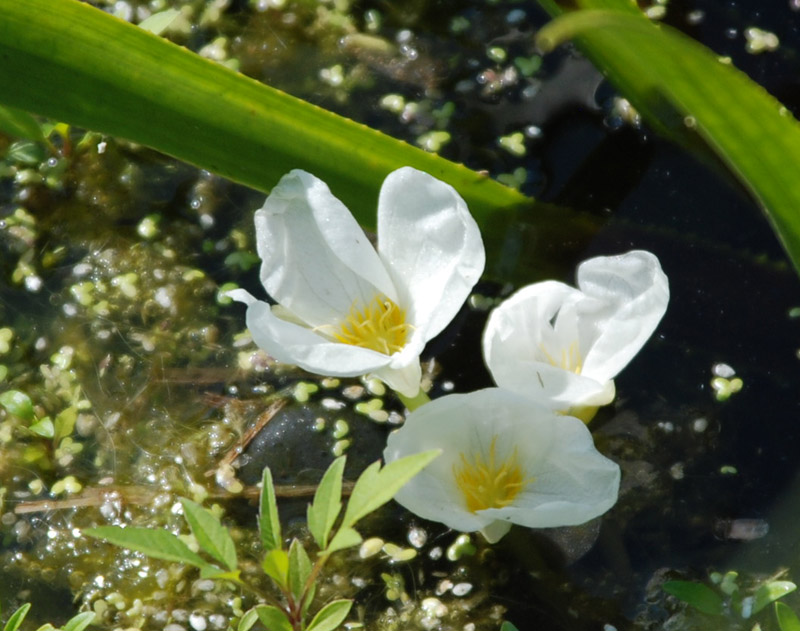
(380, 326)
(570, 358)
(490, 484)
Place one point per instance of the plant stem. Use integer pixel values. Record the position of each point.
(412, 403)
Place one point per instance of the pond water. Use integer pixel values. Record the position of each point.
(112, 322)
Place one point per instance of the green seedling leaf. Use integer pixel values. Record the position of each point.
(273, 618)
(47, 627)
(698, 595)
(268, 519)
(770, 592)
(787, 619)
(211, 535)
(17, 617)
(17, 404)
(299, 569)
(249, 618)
(79, 622)
(330, 616)
(507, 626)
(327, 504)
(26, 151)
(159, 22)
(276, 566)
(43, 428)
(158, 544)
(65, 422)
(344, 538)
(377, 486)
(20, 124)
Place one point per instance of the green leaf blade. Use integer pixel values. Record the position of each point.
(344, 538)
(268, 520)
(207, 115)
(273, 618)
(16, 619)
(770, 592)
(20, 124)
(698, 595)
(376, 486)
(79, 622)
(787, 619)
(327, 503)
(158, 544)
(330, 616)
(299, 569)
(276, 566)
(211, 535)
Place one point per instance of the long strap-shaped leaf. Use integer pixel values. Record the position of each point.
(74, 63)
(684, 90)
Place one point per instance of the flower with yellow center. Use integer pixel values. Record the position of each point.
(563, 346)
(505, 460)
(487, 483)
(345, 308)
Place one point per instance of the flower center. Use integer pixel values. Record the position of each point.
(570, 358)
(379, 326)
(489, 484)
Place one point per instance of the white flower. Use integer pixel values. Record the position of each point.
(564, 346)
(505, 460)
(345, 309)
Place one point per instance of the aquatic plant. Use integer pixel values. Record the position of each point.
(345, 309)
(505, 460)
(290, 568)
(563, 346)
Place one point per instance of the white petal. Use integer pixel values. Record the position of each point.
(496, 530)
(241, 295)
(403, 379)
(573, 484)
(316, 260)
(635, 292)
(519, 339)
(570, 481)
(290, 343)
(431, 246)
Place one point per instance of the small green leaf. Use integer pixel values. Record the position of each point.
(770, 592)
(20, 124)
(47, 627)
(268, 519)
(26, 151)
(327, 504)
(158, 22)
(79, 622)
(299, 569)
(276, 566)
(17, 617)
(377, 486)
(247, 621)
(159, 544)
(698, 595)
(211, 535)
(18, 404)
(330, 616)
(65, 422)
(507, 626)
(43, 428)
(787, 619)
(344, 538)
(273, 618)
